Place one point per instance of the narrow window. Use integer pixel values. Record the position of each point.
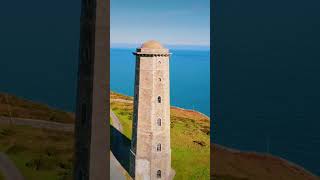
(160, 79)
(158, 174)
(159, 99)
(159, 122)
(159, 147)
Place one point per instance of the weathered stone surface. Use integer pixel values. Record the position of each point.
(151, 150)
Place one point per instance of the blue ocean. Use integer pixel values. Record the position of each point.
(189, 76)
(265, 75)
(264, 106)
(52, 79)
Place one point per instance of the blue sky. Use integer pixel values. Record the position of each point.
(178, 22)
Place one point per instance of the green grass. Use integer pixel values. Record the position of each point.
(39, 154)
(22, 108)
(114, 95)
(124, 112)
(190, 160)
(48, 154)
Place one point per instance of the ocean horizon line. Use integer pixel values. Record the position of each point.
(170, 46)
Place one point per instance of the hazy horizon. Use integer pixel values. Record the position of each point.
(169, 46)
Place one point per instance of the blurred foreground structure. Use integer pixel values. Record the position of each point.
(92, 128)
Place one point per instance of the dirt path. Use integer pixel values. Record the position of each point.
(116, 121)
(8, 169)
(37, 123)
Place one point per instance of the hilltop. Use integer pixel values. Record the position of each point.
(23, 108)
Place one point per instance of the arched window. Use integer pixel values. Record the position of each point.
(159, 99)
(159, 121)
(159, 147)
(160, 79)
(158, 174)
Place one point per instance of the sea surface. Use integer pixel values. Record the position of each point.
(265, 77)
(266, 74)
(52, 79)
(260, 103)
(270, 107)
(189, 76)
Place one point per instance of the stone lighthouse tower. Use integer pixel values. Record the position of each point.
(150, 147)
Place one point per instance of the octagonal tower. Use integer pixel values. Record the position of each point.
(150, 147)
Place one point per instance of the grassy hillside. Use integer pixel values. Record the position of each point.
(22, 108)
(190, 142)
(48, 154)
(38, 153)
(115, 96)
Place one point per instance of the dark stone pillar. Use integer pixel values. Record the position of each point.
(92, 126)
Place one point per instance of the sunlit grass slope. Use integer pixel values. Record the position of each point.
(190, 142)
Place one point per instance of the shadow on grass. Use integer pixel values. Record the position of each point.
(120, 147)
